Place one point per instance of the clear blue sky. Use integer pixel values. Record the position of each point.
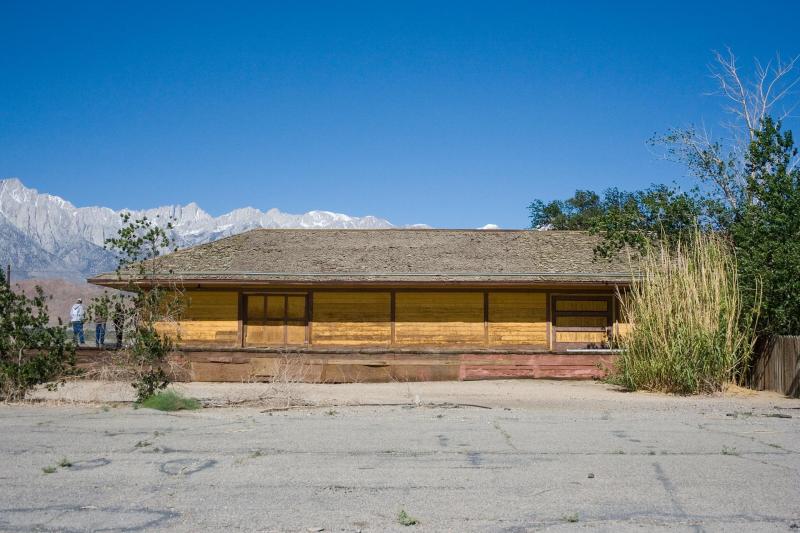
(452, 114)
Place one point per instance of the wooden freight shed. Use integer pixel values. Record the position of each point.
(378, 305)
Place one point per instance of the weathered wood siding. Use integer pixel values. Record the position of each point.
(517, 318)
(439, 318)
(582, 321)
(352, 318)
(778, 369)
(209, 318)
(274, 320)
(397, 318)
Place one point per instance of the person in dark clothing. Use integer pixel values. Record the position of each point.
(119, 323)
(100, 319)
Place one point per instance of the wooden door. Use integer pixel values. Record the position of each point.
(581, 322)
(275, 320)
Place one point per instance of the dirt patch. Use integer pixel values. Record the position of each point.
(496, 394)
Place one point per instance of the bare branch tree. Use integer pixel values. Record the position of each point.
(751, 100)
(771, 90)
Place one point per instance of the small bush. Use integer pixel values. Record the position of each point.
(170, 401)
(405, 519)
(690, 333)
(149, 382)
(571, 518)
(31, 351)
(49, 470)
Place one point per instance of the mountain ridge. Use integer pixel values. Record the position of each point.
(46, 236)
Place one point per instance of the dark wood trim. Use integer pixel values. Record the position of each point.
(608, 314)
(285, 320)
(581, 313)
(567, 285)
(486, 318)
(309, 315)
(548, 318)
(615, 318)
(240, 320)
(392, 317)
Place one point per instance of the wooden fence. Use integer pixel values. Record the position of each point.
(779, 369)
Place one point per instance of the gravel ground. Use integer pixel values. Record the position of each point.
(523, 456)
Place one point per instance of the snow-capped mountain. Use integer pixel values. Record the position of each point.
(42, 235)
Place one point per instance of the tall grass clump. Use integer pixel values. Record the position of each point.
(169, 400)
(691, 333)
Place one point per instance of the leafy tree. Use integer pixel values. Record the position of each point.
(139, 244)
(31, 351)
(766, 232)
(634, 219)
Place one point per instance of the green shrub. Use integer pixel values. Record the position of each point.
(690, 333)
(31, 351)
(405, 519)
(170, 400)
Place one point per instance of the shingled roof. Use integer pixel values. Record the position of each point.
(394, 255)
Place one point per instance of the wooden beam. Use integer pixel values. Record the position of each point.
(393, 317)
(486, 318)
(309, 315)
(240, 319)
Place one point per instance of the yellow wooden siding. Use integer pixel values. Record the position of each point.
(351, 318)
(269, 334)
(285, 320)
(623, 328)
(439, 318)
(624, 325)
(255, 307)
(296, 307)
(276, 306)
(581, 336)
(209, 318)
(582, 321)
(295, 332)
(518, 318)
(582, 305)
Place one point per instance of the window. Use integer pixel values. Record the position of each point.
(275, 319)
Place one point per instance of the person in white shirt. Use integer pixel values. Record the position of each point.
(76, 316)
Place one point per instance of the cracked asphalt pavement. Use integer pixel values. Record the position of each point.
(587, 461)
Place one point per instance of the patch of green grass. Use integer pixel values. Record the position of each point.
(405, 519)
(571, 518)
(49, 470)
(729, 451)
(64, 463)
(170, 400)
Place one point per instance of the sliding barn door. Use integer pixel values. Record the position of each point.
(582, 322)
